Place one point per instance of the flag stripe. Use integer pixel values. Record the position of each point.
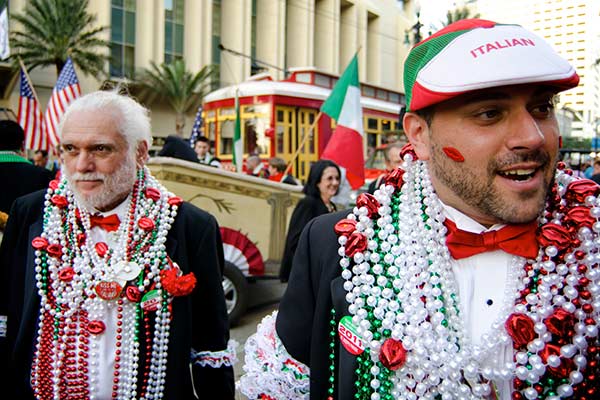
(30, 116)
(66, 90)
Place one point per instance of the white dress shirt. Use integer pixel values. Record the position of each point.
(481, 281)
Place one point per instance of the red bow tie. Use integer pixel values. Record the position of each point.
(109, 223)
(519, 240)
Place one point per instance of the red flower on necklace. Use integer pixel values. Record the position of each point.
(554, 235)
(175, 201)
(408, 149)
(53, 184)
(101, 248)
(54, 250)
(395, 178)
(356, 242)
(579, 189)
(39, 243)
(177, 285)
(146, 224)
(345, 227)
(152, 193)
(369, 202)
(66, 274)
(392, 354)
(579, 216)
(561, 323)
(520, 328)
(566, 364)
(59, 201)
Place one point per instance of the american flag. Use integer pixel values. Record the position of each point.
(198, 124)
(66, 90)
(30, 116)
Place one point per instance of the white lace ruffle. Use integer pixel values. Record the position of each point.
(216, 359)
(270, 372)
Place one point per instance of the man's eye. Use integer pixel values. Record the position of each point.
(543, 109)
(488, 114)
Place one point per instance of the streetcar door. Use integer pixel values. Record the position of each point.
(285, 135)
(308, 153)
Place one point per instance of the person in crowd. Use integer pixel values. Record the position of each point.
(255, 167)
(322, 184)
(202, 148)
(110, 285)
(41, 159)
(596, 175)
(17, 174)
(276, 170)
(176, 147)
(472, 274)
(391, 154)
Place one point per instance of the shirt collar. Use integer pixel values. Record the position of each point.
(465, 222)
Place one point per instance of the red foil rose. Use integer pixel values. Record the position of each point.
(152, 193)
(356, 242)
(579, 216)
(520, 328)
(394, 178)
(177, 285)
(101, 248)
(133, 294)
(175, 201)
(369, 202)
(408, 149)
(146, 224)
(39, 243)
(554, 235)
(578, 190)
(59, 201)
(54, 250)
(66, 274)
(80, 239)
(345, 227)
(561, 323)
(566, 364)
(392, 354)
(53, 184)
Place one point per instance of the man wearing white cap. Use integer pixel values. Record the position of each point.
(472, 272)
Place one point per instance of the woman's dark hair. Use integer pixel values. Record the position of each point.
(315, 175)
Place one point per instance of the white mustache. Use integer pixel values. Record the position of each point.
(90, 176)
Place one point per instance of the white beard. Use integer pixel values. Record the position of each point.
(115, 185)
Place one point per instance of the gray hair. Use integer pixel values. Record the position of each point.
(131, 117)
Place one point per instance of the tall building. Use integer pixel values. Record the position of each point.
(243, 37)
(573, 29)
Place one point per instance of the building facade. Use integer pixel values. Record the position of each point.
(243, 37)
(573, 29)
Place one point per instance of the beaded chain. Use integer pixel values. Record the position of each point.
(403, 295)
(77, 279)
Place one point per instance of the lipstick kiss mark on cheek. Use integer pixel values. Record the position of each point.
(453, 154)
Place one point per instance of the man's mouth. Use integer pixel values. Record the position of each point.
(522, 174)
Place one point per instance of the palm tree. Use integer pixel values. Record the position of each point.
(457, 14)
(53, 30)
(179, 87)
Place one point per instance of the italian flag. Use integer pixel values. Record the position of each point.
(346, 144)
(238, 148)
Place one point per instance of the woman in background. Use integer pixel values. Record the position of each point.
(322, 184)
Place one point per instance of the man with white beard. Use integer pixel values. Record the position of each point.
(111, 286)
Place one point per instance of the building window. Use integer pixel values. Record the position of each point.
(122, 38)
(174, 10)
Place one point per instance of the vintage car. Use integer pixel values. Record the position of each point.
(253, 214)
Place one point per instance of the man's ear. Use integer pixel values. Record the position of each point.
(141, 155)
(417, 131)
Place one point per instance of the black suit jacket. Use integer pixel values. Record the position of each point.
(19, 179)
(199, 321)
(315, 286)
(306, 209)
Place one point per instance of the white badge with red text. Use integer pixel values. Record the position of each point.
(349, 336)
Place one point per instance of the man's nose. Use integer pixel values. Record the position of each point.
(84, 162)
(525, 132)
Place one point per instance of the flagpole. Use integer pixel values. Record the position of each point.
(28, 78)
(302, 143)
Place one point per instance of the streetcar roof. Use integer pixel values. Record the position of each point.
(292, 89)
